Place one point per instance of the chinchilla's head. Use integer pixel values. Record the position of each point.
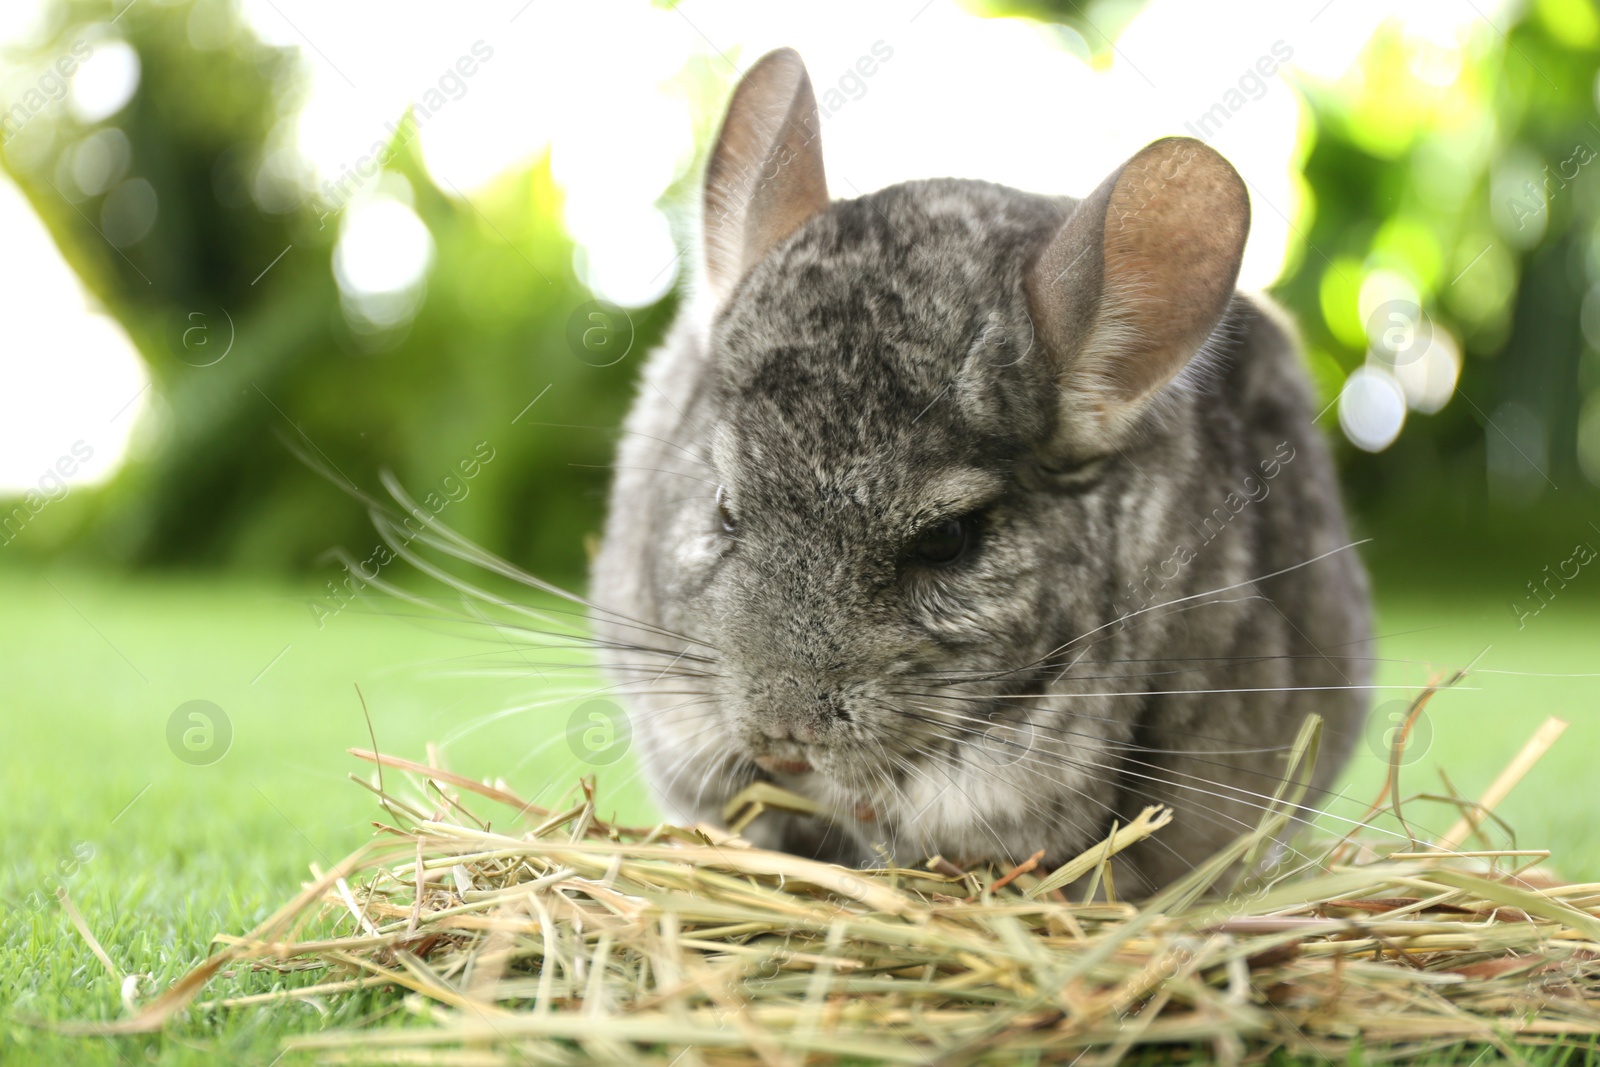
(911, 399)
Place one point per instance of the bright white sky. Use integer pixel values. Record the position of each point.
(960, 95)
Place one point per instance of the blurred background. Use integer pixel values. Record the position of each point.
(379, 236)
(256, 252)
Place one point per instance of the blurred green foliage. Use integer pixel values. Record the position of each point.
(1408, 168)
(223, 484)
(1478, 184)
(1086, 27)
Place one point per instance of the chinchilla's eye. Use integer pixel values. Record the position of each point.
(944, 542)
(729, 525)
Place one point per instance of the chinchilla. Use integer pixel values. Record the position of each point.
(981, 518)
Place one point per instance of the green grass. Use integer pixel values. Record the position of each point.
(160, 855)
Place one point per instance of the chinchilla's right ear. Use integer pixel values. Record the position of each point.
(1131, 286)
(765, 176)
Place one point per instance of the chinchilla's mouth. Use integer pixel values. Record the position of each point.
(776, 764)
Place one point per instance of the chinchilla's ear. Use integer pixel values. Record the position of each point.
(1133, 283)
(765, 176)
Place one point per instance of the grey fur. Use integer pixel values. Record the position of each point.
(878, 371)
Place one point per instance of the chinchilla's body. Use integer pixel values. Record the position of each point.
(980, 517)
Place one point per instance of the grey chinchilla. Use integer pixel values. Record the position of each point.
(982, 518)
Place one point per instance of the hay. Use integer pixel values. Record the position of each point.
(554, 936)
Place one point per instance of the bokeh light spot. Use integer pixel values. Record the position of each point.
(105, 82)
(1372, 408)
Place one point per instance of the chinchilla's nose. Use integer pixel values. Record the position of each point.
(780, 727)
(797, 712)
(804, 719)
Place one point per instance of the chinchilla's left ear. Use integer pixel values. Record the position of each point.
(1132, 285)
(765, 176)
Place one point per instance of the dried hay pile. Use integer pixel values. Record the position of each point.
(557, 937)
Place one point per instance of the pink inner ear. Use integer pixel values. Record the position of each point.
(797, 188)
(765, 177)
(1174, 235)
